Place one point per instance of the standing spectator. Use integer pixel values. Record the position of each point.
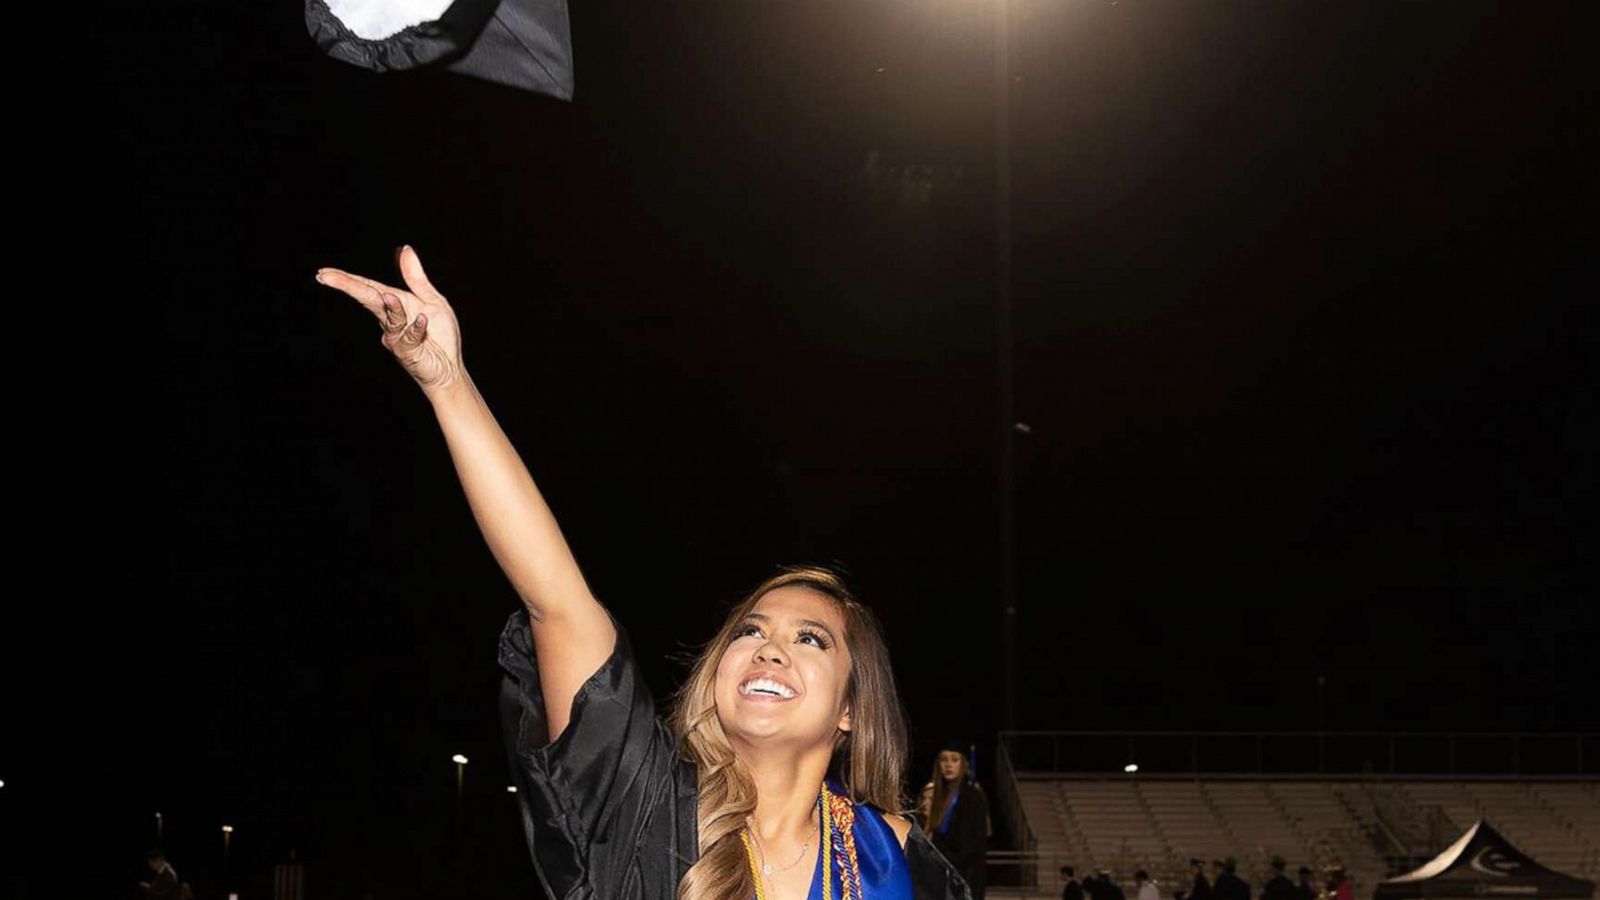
(1340, 885)
(1200, 887)
(163, 884)
(1071, 889)
(1145, 888)
(1091, 887)
(956, 816)
(1306, 890)
(1230, 886)
(1109, 889)
(1279, 887)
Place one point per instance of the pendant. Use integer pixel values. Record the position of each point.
(766, 868)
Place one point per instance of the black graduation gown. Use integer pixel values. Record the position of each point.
(608, 808)
(967, 839)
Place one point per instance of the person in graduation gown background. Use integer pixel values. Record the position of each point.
(956, 813)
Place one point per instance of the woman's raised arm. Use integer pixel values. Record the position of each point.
(572, 633)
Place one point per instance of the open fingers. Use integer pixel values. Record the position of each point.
(370, 294)
(417, 279)
(363, 290)
(327, 272)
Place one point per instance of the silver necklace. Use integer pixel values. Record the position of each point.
(766, 867)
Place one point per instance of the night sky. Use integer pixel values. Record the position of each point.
(1305, 304)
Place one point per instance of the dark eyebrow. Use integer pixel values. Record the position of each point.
(809, 623)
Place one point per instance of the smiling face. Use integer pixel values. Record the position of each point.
(786, 673)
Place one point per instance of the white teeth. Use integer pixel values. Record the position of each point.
(765, 686)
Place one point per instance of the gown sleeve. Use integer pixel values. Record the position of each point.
(971, 826)
(932, 876)
(587, 797)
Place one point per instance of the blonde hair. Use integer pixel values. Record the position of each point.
(867, 760)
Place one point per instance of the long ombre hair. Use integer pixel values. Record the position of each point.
(942, 790)
(867, 760)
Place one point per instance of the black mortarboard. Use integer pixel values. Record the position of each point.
(524, 44)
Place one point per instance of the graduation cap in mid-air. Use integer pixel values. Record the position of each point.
(525, 44)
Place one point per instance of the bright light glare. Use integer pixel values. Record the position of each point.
(227, 829)
(459, 759)
(511, 789)
(1130, 768)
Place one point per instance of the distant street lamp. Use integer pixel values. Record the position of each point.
(461, 778)
(227, 850)
(511, 789)
(1131, 768)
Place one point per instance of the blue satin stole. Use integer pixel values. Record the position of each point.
(884, 873)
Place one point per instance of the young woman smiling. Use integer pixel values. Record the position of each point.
(777, 774)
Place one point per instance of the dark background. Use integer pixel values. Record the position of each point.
(1305, 304)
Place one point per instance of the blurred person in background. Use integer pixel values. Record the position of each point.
(1070, 889)
(1279, 887)
(956, 815)
(1145, 888)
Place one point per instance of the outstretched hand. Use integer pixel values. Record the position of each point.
(419, 327)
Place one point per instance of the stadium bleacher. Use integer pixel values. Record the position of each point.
(1121, 824)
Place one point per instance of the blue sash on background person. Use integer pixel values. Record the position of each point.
(949, 811)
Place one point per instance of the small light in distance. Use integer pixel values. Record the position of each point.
(1130, 768)
(459, 760)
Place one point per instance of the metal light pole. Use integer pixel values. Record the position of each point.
(158, 831)
(1005, 340)
(227, 851)
(461, 778)
(1322, 725)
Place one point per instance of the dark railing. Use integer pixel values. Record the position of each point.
(1010, 806)
(1420, 755)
